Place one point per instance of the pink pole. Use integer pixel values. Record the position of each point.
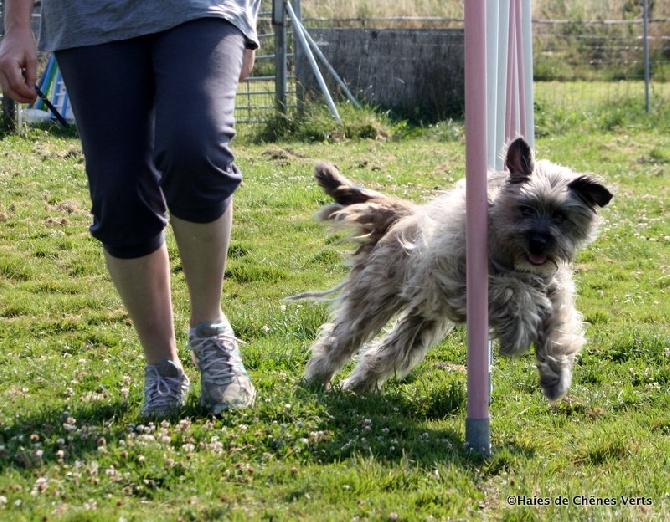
(511, 109)
(520, 68)
(477, 427)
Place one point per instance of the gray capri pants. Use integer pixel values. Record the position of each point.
(156, 116)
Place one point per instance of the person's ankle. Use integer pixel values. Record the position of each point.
(168, 368)
(195, 323)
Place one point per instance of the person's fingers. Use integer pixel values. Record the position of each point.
(17, 84)
(18, 70)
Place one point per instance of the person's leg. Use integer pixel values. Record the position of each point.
(199, 177)
(144, 286)
(115, 122)
(203, 250)
(194, 128)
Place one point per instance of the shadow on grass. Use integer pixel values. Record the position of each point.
(423, 427)
(45, 437)
(415, 423)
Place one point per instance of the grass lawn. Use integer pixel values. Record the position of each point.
(72, 444)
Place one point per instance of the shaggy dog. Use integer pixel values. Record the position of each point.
(410, 264)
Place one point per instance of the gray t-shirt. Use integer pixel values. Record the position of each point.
(66, 24)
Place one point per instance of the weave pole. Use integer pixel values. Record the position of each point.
(515, 39)
(498, 108)
(527, 71)
(498, 53)
(477, 423)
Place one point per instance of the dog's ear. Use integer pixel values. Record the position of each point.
(519, 161)
(590, 191)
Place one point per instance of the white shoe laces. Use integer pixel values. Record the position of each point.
(217, 357)
(163, 392)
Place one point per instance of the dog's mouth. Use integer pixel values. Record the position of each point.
(536, 263)
(537, 259)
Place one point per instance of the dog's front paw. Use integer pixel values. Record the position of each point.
(318, 372)
(314, 385)
(555, 379)
(361, 385)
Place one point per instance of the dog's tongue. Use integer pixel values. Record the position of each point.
(537, 259)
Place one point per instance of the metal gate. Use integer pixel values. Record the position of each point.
(272, 87)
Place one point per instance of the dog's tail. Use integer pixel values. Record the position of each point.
(343, 191)
(368, 212)
(313, 295)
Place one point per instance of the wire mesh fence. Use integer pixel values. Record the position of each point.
(577, 64)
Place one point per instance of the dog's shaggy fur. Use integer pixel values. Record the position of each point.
(410, 263)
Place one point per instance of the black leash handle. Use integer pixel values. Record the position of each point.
(51, 107)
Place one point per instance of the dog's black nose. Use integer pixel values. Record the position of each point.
(537, 243)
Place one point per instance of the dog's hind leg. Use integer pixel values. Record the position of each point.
(361, 315)
(397, 352)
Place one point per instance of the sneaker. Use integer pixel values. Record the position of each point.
(225, 382)
(165, 389)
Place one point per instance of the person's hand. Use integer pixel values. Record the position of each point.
(18, 65)
(248, 59)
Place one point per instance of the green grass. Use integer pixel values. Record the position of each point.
(72, 445)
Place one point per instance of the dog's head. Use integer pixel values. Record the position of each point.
(544, 213)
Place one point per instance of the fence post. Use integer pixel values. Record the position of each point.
(9, 120)
(281, 54)
(299, 37)
(646, 54)
(299, 61)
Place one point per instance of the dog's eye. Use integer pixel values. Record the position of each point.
(527, 212)
(559, 216)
